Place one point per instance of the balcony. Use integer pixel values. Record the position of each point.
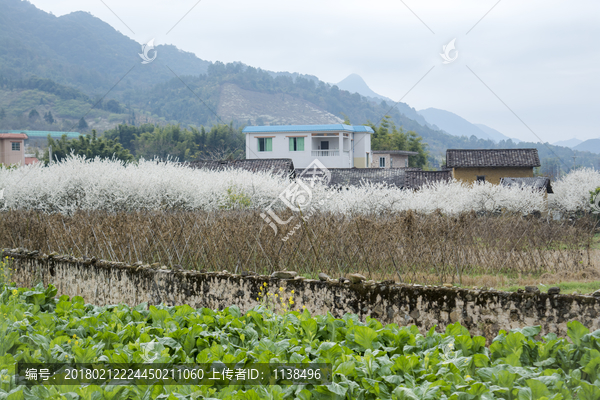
(325, 153)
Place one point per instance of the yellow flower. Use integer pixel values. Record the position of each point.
(77, 342)
(303, 306)
(468, 377)
(69, 340)
(451, 345)
(15, 292)
(292, 292)
(257, 299)
(265, 284)
(291, 301)
(74, 336)
(281, 289)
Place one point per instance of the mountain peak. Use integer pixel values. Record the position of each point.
(354, 78)
(354, 83)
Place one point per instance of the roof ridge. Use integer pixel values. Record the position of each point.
(520, 148)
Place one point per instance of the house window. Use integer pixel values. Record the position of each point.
(480, 178)
(381, 162)
(265, 144)
(324, 144)
(296, 144)
(16, 146)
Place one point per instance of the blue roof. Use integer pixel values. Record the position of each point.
(308, 128)
(43, 134)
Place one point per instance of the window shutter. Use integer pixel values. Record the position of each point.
(292, 144)
(300, 144)
(269, 144)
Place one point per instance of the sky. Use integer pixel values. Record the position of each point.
(530, 69)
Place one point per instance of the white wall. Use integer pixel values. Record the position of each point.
(302, 159)
(362, 146)
(8, 156)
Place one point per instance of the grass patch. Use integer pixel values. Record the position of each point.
(565, 287)
(596, 241)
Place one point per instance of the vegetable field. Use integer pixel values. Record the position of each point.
(369, 361)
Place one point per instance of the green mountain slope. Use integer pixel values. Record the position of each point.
(42, 104)
(84, 57)
(591, 145)
(80, 50)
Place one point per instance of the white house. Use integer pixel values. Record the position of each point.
(335, 145)
(391, 158)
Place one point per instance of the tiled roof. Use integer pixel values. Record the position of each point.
(399, 152)
(343, 177)
(538, 183)
(402, 178)
(492, 158)
(417, 179)
(308, 128)
(13, 136)
(283, 166)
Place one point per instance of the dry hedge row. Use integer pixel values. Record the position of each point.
(407, 246)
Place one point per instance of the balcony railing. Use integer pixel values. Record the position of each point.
(325, 153)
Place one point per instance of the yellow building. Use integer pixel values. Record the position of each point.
(473, 165)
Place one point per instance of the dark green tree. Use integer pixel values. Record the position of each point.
(82, 124)
(148, 141)
(33, 115)
(113, 106)
(126, 134)
(89, 146)
(387, 136)
(48, 117)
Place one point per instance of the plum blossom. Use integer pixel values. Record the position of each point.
(77, 183)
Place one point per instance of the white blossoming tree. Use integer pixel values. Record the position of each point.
(95, 184)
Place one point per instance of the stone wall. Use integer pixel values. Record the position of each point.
(484, 312)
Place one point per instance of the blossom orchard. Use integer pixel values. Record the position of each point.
(77, 183)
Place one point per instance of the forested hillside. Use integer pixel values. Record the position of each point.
(42, 104)
(77, 73)
(80, 50)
